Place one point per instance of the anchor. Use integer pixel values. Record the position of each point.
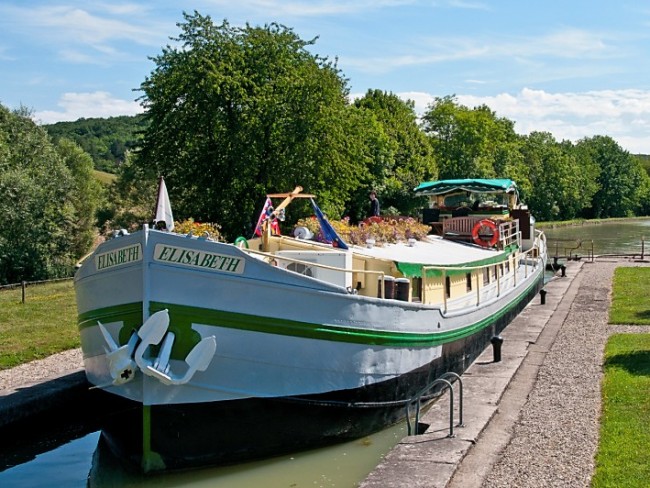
(198, 359)
(123, 360)
(120, 358)
(152, 332)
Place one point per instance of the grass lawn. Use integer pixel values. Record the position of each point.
(44, 325)
(630, 297)
(105, 178)
(623, 457)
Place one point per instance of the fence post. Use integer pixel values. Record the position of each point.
(23, 283)
(642, 247)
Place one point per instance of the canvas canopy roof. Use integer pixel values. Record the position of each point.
(473, 185)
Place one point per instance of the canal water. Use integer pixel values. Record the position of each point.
(615, 238)
(84, 461)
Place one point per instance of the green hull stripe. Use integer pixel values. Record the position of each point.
(151, 460)
(128, 313)
(109, 314)
(254, 323)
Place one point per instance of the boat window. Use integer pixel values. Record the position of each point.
(416, 289)
(486, 276)
(501, 269)
(494, 273)
(448, 286)
(468, 278)
(508, 265)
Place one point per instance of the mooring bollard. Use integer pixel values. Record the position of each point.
(542, 293)
(496, 347)
(563, 269)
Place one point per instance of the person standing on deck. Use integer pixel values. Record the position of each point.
(374, 205)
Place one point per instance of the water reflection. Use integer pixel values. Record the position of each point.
(343, 465)
(88, 462)
(65, 466)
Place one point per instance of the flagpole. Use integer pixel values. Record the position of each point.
(155, 208)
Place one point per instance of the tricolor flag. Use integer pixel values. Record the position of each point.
(267, 210)
(329, 233)
(164, 208)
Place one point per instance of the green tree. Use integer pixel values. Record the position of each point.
(36, 211)
(469, 143)
(560, 180)
(622, 181)
(85, 195)
(130, 199)
(235, 113)
(583, 182)
(408, 159)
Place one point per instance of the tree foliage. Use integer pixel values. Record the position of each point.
(105, 140)
(46, 201)
(235, 113)
(407, 159)
(469, 143)
(622, 181)
(558, 180)
(559, 185)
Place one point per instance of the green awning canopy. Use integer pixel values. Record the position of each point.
(414, 270)
(473, 185)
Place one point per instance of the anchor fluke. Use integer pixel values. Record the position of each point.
(152, 332)
(198, 359)
(120, 358)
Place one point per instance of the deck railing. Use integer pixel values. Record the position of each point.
(462, 227)
(529, 259)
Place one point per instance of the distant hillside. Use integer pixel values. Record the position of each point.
(106, 140)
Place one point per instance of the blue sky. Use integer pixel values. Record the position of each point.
(575, 68)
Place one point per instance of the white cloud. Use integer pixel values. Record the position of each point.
(310, 8)
(336, 7)
(88, 32)
(468, 5)
(421, 100)
(87, 105)
(81, 25)
(566, 44)
(3, 55)
(623, 115)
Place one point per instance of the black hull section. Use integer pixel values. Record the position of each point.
(202, 434)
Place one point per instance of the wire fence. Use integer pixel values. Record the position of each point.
(573, 248)
(24, 284)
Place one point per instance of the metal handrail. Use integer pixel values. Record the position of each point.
(417, 399)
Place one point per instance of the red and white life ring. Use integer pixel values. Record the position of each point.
(482, 229)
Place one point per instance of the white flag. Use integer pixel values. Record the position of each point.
(163, 208)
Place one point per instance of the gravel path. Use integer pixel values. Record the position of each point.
(555, 439)
(41, 369)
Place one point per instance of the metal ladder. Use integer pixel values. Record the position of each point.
(417, 399)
